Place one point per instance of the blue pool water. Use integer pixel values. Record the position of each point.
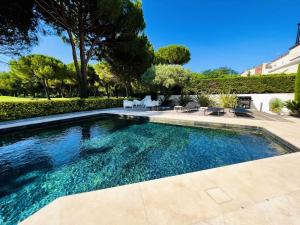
(39, 166)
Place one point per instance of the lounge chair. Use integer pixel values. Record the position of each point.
(127, 104)
(241, 112)
(191, 106)
(216, 110)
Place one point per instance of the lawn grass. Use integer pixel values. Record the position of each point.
(20, 99)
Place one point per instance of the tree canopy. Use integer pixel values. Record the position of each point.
(173, 54)
(6, 82)
(92, 24)
(105, 75)
(220, 72)
(18, 23)
(111, 31)
(40, 67)
(166, 76)
(89, 26)
(130, 59)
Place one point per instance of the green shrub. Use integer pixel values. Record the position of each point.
(165, 77)
(19, 110)
(297, 85)
(184, 100)
(243, 85)
(294, 107)
(276, 105)
(205, 100)
(228, 100)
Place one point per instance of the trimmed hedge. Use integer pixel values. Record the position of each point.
(19, 110)
(245, 85)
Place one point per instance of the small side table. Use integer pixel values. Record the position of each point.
(178, 108)
(204, 110)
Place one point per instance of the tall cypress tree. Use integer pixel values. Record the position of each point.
(297, 86)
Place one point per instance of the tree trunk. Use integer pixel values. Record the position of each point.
(70, 91)
(116, 92)
(83, 84)
(46, 89)
(79, 70)
(127, 89)
(61, 89)
(47, 86)
(83, 65)
(31, 88)
(82, 88)
(107, 91)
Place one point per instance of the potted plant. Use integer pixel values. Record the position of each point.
(294, 107)
(276, 105)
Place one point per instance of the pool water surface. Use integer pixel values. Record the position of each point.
(38, 166)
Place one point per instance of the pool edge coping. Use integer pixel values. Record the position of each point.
(15, 127)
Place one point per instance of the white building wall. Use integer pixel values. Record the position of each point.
(265, 69)
(286, 64)
(249, 72)
(260, 102)
(286, 70)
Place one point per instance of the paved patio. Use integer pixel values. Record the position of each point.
(265, 192)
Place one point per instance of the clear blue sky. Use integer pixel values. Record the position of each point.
(235, 33)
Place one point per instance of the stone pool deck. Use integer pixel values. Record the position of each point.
(262, 192)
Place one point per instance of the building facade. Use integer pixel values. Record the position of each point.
(287, 63)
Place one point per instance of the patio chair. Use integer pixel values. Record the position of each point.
(147, 98)
(150, 104)
(137, 103)
(191, 106)
(127, 104)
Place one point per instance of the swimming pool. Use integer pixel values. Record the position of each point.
(38, 166)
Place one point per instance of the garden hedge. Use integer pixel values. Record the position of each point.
(19, 110)
(245, 85)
